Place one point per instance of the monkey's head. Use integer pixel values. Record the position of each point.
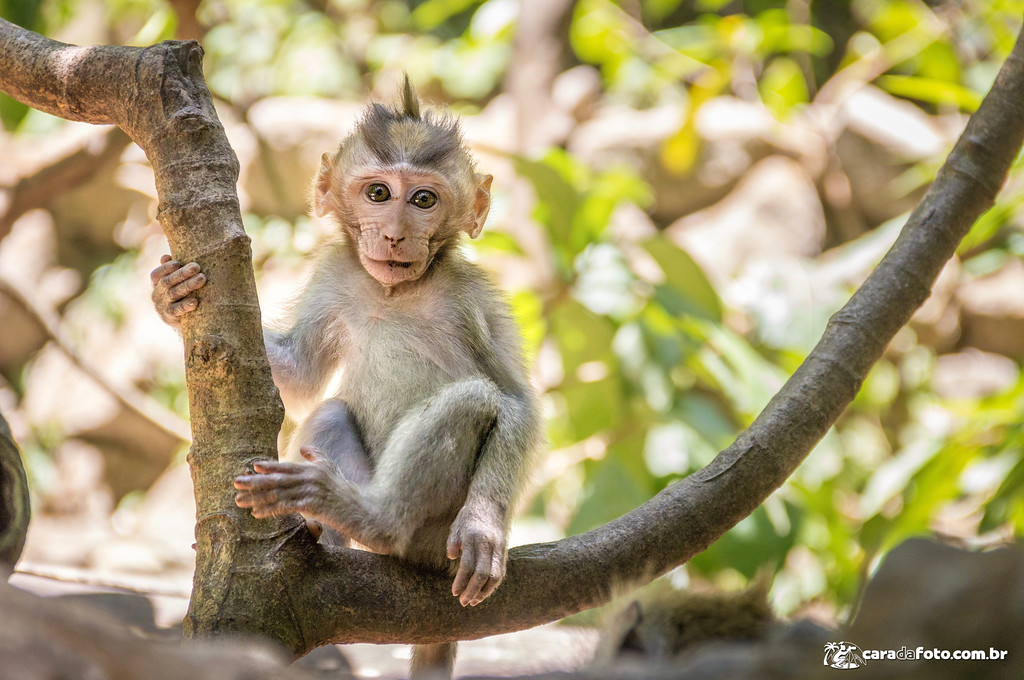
(402, 186)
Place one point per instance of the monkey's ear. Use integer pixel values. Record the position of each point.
(322, 187)
(481, 204)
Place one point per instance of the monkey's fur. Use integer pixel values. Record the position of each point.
(423, 450)
(665, 622)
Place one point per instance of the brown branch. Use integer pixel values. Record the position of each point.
(70, 172)
(269, 576)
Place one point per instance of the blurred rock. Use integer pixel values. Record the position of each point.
(28, 263)
(925, 594)
(773, 212)
(166, 517)
(972, 374)
(992, 311)
(940, 597)
(134, 448)
(44, 638)
(881, 137)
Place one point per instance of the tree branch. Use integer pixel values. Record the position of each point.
(269, 576)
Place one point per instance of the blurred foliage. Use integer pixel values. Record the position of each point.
(653, 376)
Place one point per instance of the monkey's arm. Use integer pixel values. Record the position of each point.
(304, 356)
(480, 531)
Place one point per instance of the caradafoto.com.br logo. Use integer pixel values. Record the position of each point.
(843, 655)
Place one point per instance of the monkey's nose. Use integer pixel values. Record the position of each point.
(394, 241)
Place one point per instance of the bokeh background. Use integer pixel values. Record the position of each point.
(684, 192)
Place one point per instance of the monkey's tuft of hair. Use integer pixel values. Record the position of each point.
(410, 102)
(403, 134)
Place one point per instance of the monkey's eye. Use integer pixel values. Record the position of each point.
(424, 199)
(378, 193)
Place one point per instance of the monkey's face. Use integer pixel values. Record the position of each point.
(398, 218)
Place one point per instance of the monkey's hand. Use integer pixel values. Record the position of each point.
(281, 488)
(173, 286)
(478, 533)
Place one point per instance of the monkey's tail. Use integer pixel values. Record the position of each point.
(433, 662)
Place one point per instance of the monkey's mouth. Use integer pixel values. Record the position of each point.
(391, 272)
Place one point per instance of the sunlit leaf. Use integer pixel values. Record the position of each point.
(782, 87)
(930, 90)
(686, 290)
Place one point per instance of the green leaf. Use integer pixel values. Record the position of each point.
(782, 87)
(615, 485)
(687, 290)
(931, 90)
(557, 196)
(432, 13)
(757, 540)
(580, 335)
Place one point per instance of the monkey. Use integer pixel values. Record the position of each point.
(423, 450)
(664, 622)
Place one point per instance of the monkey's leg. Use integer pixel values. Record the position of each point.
(424, 471)
(418, 487)
(432, 662)
(332, 430)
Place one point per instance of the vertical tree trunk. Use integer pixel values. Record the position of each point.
(158, 96)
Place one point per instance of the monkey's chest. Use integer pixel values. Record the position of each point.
(396, 365)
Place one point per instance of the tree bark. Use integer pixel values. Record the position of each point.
(158, 96)
(268, 576)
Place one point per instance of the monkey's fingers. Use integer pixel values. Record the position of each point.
(279, 466)
(272, 510)
(276, 501)
(454, 548)
(182, 282)
(167, 266)
(267, 482)
(182, 307)
(479, 586)
(497, 576)
(464, 574)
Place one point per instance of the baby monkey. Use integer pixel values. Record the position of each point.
(424, 448)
